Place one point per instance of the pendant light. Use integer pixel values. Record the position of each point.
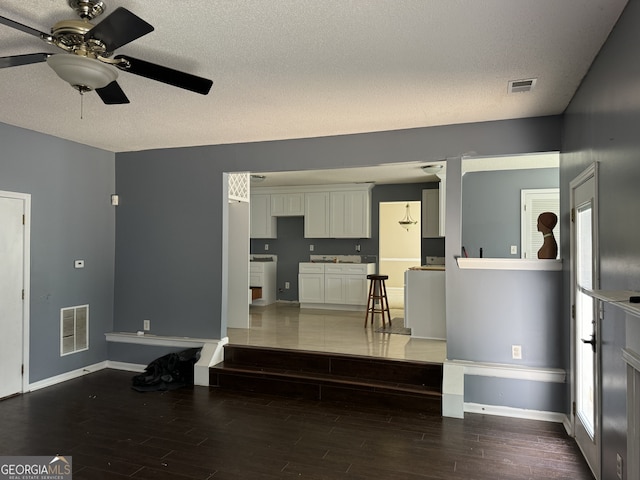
(407, 222)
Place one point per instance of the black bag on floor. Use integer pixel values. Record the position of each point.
(171, 371)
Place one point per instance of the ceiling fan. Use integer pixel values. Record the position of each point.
(88, 64)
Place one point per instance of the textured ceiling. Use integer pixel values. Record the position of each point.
(308, 68)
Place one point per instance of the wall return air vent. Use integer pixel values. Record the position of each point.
(74, 329)
(521, 86)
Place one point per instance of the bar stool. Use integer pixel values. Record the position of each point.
(377, 291)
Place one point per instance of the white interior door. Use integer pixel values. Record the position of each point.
(11, 294)
(586, 332)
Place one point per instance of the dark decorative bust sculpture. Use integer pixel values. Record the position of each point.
(546, 222)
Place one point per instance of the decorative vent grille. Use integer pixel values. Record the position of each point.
(239, 187)
(520, 86)
(74, 329)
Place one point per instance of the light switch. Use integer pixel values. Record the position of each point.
(78, 264)
(514, 249)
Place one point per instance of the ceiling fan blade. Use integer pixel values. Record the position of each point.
(27, 59)
(23, 28)
(118, 29)
(166, 75)
(112, 94)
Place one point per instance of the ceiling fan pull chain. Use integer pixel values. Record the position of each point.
(81, 106)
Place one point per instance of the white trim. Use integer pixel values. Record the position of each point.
(631, 358)
(63, 377)
(127, 367)
(211, 354)
(26, 279)
(313, 188)
(509, 264)
(568, 425)
(158, 340)
(454, 372)
(514, 412)
(517, 372)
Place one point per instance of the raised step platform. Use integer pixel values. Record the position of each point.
(330, 376)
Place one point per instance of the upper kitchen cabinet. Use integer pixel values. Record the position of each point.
(330, 211)
(263, 224)
(316, 215)
(350, 214)
(287, 204)
(433, 212)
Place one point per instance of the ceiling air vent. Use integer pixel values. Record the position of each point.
(520, 86)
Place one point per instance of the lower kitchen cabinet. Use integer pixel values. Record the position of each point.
(262, 282)
(333, 285)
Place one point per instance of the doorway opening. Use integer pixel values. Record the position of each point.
(399, 247)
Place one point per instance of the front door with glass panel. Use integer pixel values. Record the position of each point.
(584, 272)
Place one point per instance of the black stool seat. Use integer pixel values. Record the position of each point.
(377, 292)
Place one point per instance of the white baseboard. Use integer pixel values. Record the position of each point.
(63, 377)
(514, 412)
(455, 371)
(568, 426)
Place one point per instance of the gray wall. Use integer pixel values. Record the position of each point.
(491, 208)
(601, 125)
(292, 248)
(71, 218)
(169, 241)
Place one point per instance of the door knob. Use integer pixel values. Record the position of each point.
(592, 342)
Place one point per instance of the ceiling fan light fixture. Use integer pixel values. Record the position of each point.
(83, 73)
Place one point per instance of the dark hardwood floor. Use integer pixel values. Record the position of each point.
(113, 432)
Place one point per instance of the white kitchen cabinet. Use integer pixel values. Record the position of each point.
(344, 286)
(434, 211)
(431, 213)
(350, 215)
(262, 282)
(287, 204)
(262, 223)
(311, 283)
(316, 215)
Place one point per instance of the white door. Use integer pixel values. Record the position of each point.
(12, 254)
(586, 331)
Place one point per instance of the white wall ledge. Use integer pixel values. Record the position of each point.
(508, 264)
(619, 298)
(163, 341)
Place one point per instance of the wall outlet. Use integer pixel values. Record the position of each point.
(146, 325)
(287, 285)
(516, 352)
(266, 247)
(514, 249)
(311, 248)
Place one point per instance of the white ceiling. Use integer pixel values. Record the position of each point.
(308, 68)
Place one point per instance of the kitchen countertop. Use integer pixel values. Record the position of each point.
(439, 268)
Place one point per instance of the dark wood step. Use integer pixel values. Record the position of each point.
(423, 374)
(329, 376)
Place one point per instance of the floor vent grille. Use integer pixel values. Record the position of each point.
(74, 329)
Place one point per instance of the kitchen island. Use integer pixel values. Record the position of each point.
(424, 302)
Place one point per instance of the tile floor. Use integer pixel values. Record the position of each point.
(285, 325)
